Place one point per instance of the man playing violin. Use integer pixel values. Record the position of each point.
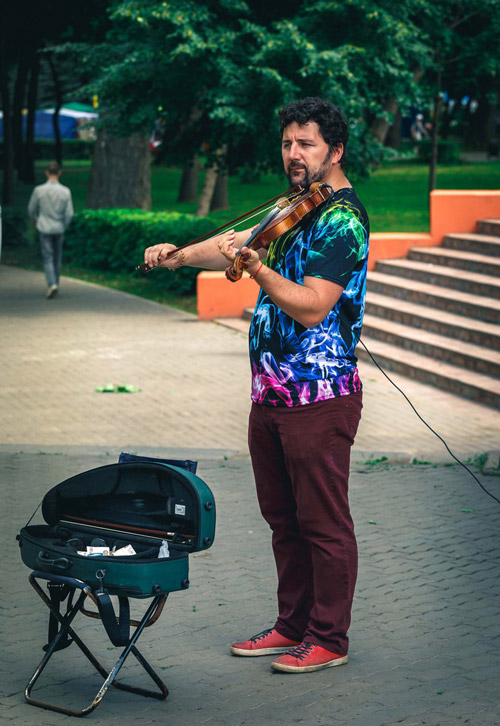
(306, 392)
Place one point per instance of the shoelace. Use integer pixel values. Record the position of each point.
(259, 636)
(301, 651)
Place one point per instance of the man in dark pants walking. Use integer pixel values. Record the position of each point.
(306, 392)
(51, 208)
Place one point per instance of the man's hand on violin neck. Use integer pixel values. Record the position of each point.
(225, 244)
(250, 258)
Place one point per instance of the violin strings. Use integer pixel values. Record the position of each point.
(232, 226)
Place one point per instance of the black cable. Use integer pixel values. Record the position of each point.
(429, 427)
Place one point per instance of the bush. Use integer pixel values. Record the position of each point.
(448, 151)
(13, 226)
(114, 239)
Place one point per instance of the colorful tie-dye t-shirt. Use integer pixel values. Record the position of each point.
(293, 365)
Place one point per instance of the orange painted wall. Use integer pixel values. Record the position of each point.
(386, 245)
(454, 210)
(217, 297)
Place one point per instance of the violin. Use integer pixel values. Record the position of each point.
(285, 214)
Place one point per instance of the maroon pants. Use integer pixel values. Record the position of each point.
(300, 458)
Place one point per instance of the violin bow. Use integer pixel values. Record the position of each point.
(248, 215)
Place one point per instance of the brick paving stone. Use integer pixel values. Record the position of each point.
(54, 353)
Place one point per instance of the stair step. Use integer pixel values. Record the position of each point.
(473, 306)
(458, 259)
(480, 243)
(473, 283)
(489, 226)
(469, 384)
(459, 327)
(438, 347)
(238, 324)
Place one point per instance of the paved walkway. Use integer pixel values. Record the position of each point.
(425, 635)
(194, 380)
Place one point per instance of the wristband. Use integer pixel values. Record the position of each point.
(252, 277)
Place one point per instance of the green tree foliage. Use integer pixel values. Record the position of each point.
(30, 70)
(215, 72)
(466, 59)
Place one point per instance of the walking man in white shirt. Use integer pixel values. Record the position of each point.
(51, 207)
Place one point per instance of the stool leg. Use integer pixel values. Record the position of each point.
(110, 680)
(64, 622)
(110, 677)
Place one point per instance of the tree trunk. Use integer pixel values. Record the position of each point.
(220, 198)
(8, 150)
(207, 191)
(28, 175)
(17, 113)
(59, 103)
(121, 172)
(209, 184)
(380, 126)
(188, 190)
(393, 138)
(435, 135)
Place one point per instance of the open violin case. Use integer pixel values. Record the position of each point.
(140, 502)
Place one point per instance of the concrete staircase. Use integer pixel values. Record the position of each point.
(435, 316)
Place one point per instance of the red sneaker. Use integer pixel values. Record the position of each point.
(307, 657)
(269, 642)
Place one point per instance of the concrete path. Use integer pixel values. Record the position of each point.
(194, 379)
(425, 634)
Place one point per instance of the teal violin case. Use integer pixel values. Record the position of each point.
(140, 502)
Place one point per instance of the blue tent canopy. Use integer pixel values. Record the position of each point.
(67, 121)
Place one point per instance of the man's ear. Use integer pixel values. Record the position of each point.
(337, 154)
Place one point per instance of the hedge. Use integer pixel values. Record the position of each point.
(14, 225)
(448, 151)
(115, 239)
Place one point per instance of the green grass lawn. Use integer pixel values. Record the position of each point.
(395, 197)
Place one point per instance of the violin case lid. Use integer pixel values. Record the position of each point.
(146, 499)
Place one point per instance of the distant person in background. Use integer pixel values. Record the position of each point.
(51, 207)
(418, 130)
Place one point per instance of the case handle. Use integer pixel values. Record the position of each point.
(44, 561)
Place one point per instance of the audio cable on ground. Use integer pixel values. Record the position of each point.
(430, 427)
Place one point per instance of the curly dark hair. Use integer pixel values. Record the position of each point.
(332, 124)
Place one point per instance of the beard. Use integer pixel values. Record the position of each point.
(308, 175)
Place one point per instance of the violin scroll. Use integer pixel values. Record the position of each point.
(234, 274)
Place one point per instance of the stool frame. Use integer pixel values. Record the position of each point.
(151, 615)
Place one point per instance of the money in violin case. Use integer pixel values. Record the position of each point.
(141, 503)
